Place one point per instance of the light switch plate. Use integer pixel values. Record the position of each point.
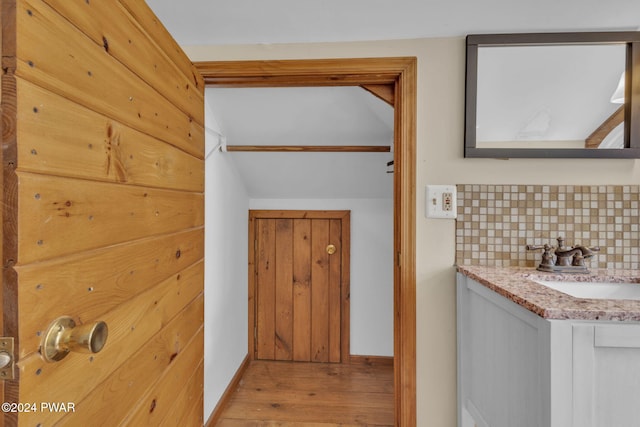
(441, 201)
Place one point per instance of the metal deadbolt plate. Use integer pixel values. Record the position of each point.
(6, 357)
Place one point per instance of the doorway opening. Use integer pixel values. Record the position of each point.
(400, 74)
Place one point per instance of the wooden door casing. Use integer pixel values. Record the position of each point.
(402, 74)
(103, 208)
(299, 293)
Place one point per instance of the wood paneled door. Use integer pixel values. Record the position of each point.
(299, 285)
(103, 214)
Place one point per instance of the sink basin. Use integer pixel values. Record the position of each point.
(597, 290)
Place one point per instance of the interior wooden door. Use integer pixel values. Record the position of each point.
(103, 213)
(300, 285)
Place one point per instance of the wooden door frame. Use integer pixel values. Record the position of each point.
(345, 276)
(401, 72)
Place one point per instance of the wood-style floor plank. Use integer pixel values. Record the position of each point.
(311, 394)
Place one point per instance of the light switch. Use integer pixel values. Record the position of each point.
(441, 201)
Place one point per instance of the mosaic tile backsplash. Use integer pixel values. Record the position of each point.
(496, 222)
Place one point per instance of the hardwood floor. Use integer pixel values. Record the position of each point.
(312, 394)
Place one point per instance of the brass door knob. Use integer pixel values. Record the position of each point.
(331, 249)
(64, 336)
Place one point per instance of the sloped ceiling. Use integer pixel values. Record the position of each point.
(304, 115)
(196, 22)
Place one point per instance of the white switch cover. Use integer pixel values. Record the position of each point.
(441, 201)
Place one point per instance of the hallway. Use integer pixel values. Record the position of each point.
(318, 394)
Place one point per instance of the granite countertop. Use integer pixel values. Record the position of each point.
(516, 284)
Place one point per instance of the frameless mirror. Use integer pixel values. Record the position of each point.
(553, 95)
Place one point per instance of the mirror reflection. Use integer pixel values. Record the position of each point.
(550, 96)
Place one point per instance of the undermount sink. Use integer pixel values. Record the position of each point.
(597, 290)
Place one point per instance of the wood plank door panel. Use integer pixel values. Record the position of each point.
(284, 256)
(266, 281)
(335, 305)
(103, 212)
(320, 283)
(300, 290)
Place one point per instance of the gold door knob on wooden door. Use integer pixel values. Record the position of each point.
(64, 336)
(331, 249)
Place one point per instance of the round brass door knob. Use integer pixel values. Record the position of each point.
(331, 249)
(64, 336)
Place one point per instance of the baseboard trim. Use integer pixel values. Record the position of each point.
(228, 392)
(371, 360)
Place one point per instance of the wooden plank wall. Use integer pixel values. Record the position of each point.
(103, 162)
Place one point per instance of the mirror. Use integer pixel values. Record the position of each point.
(552, 95)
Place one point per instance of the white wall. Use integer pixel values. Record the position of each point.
(225, 288)
(440, 132)
(371, 267)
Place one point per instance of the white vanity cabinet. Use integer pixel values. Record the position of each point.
(516, 368)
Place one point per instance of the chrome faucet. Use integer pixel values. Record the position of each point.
(567, 259)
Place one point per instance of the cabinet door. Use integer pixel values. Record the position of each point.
(501, 357)
(606, 374)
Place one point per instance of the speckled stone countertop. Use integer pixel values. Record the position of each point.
(516, 284)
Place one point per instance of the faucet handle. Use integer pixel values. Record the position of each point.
(588, 252)
(547, 258)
